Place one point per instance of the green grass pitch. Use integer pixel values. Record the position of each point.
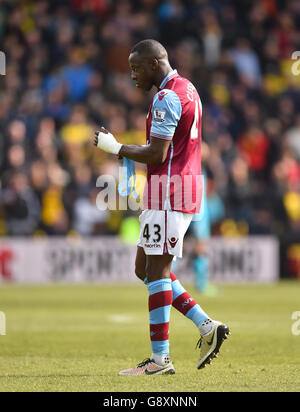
(77, 338)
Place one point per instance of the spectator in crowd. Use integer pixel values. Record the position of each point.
(21, 206)
(246, 62)
(88, 219)
(293, 138)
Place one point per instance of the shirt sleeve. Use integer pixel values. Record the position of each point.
(166, 112)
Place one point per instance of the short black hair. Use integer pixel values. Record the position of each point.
(150, 48)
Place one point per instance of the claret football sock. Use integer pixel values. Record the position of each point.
(185, 304)
(160, 302)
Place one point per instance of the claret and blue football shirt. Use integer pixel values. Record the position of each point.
(175, 115)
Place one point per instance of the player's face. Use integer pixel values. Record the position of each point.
(142, 71)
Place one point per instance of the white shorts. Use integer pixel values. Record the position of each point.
(162, 231)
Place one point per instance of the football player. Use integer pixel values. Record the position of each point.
(171, 197)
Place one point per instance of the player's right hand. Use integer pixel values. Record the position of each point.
(106, 141)
(102, 130)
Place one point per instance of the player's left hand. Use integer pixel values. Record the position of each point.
(106, 141)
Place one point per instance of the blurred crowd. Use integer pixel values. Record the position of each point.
(67, 73)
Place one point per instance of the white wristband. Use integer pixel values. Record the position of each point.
(108, 143)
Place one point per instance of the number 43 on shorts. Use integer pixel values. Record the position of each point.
(156, 232)
(162, 231)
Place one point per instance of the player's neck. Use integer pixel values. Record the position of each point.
(164, 70)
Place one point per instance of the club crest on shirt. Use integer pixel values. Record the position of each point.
(159, 115)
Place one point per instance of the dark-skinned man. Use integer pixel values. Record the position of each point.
(172, 196)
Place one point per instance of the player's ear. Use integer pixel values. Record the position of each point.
(154, 64)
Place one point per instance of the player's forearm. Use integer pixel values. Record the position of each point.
(153, 153)
(142, 154)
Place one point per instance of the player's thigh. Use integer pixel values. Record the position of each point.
(140, 263)
(158, 266)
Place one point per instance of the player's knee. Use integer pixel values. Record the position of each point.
(149, 269)
(140, 273)
(153, 272)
